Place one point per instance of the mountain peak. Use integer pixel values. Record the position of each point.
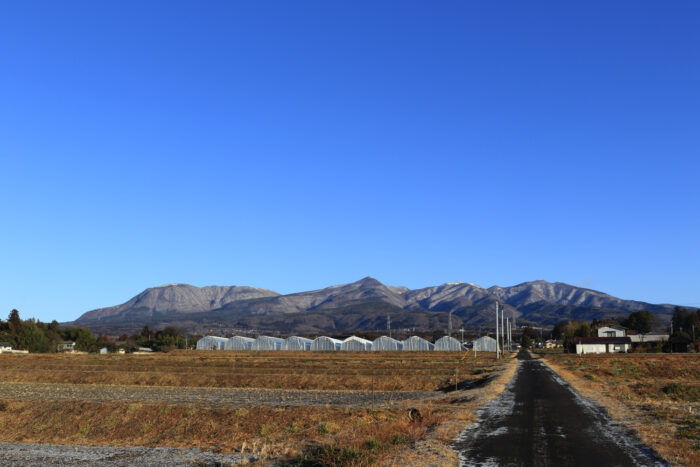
(369, 281)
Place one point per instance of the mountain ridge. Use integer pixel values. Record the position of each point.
(536, 302)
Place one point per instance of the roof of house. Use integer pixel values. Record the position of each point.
(612, 326)
(602, 340)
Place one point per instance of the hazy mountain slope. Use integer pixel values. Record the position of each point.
(175, 298)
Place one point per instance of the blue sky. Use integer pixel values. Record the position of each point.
(296, 145)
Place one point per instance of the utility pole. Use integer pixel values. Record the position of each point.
(497, 347)
(503, 331)
(388, 324)
(462, 331)
(508, 333)
(449, 324)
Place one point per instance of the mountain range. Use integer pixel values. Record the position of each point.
(365, 305)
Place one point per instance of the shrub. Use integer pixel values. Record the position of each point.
(400, 439)
(330, 455)
(680, 391)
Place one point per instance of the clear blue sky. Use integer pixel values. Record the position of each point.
(296, 145)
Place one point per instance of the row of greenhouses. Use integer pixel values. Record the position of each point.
(324, 343)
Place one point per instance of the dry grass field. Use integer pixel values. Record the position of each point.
(382, 371)
(658, 395)
(313, 434)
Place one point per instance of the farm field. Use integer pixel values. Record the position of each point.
(657, 395)
(381, 371)
(332, 408)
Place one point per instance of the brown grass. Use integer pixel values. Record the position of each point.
(264, 431)
(657, 395)
(383, 371)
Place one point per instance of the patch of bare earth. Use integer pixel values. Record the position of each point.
(657, 396)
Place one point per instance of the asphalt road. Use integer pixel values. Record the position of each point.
(539, 420)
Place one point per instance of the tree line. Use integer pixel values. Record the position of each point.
(683, 332)
(38, 337)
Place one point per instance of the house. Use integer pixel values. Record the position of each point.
(121, 351)
(552, 344)
(66, 347)
(5, 347)
(104, 351)
(611, 331)
(586, 345)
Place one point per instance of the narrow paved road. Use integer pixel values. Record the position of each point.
(540, 421)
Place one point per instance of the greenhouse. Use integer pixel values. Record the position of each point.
(325, 343)
(211, 343)
(354, 343)
(448, 343)
(485, 344)
(417, 344)
(296, 343)
(386, 343)
(239, 343)
(267, 343)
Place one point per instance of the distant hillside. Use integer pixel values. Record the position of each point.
(359, 306)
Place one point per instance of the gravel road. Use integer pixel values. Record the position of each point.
(206, 397)
(31, 454)
(540, 420)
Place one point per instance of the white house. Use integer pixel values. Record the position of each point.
(66, 347)
(5, 347)
(586, 345)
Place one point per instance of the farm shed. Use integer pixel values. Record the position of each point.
(485, 344)
(355, 343)
(325, 343)
(267, 343)
(448, 343)
(650, 337)
(211, 343)
(386, 343)
(417, 343)
(239, 343)
(296, 343)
